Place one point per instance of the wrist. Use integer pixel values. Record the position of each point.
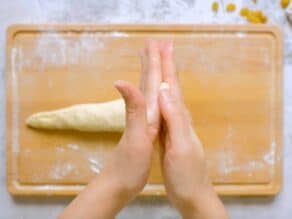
(110, 194)
(115, 186)
(206, 204)
(103, 193)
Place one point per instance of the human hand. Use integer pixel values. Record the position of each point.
(132, 158)
(126, 173)
(183, 158)
(150, 81)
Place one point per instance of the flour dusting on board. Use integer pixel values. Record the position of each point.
(118, 34)
(227, 165)
(61, 170)
(73, 146)
(95, 165)
(93, 161)
(16, 56)
(54, 49)
(241, 34)
(270, 157)
(226, 158)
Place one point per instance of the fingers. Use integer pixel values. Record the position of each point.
(136, 122)
(170, 100)
(151, 78)
(169, 74)
(152, 70)
(178, 122)
(142, 54)
(173, 112)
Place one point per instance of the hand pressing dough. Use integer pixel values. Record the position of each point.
(100, 117)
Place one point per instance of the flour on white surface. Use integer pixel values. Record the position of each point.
(160, 11)
(151, 11)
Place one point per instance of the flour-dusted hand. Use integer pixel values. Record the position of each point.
(183, 158)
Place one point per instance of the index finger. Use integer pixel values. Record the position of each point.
(169, 72)
(151, 74)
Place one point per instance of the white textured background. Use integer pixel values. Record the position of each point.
(144, 11)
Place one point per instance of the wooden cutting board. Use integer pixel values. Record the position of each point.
(232, 83)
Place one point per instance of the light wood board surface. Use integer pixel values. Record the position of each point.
(232, 83)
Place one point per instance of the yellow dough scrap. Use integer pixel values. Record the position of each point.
(215, 6)
(244, 12)
(231, 7)
(285, 3)
(254, 16)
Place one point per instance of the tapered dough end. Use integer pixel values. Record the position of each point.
(31, 121)
(41, 120)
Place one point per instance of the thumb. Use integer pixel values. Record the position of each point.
(136, 121)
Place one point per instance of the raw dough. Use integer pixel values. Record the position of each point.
(100, 117)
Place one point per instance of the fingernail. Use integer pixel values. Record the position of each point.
(117, 83)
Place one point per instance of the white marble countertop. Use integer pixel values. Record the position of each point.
(147, 11)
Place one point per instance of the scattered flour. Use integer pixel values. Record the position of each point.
(53, 49)
(95, 161)
(241, 35)
(270, 157)
(226, 164)
(94, 164)
(61, 170)
(73, 146)
(119, 34)
(16, 56)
